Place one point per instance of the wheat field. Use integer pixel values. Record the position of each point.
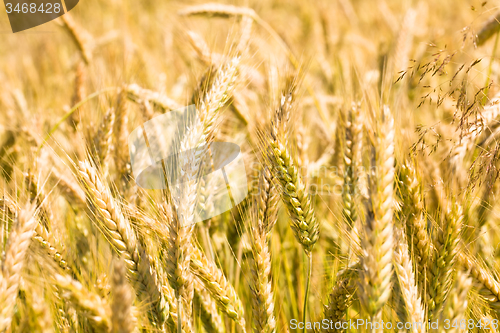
(369, 132)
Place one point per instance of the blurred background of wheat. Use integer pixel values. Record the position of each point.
(369, 131)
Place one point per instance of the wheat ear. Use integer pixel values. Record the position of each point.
(46, 241)
(42, 234)
(119, 232)
(443, 264)
(404, 271)
(456, 305)
(207, 307)
(202, 49)
(141, 95)
(352, 130)
(488, 29)
(262, 290)
(216, 9)
(209, 103)
(294, 195)
(489, 287)
(377, 241)
(178, 259)
(120, 135)
(173, 318)
(341, 297)
(70, 189)
(217, 285)
(12, 266)
(81, 37)
(93, 307)
(104, 136)
(122, 317)
(416, 224)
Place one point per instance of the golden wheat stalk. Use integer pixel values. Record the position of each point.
(80, 36)
(443, 264)
(123, 319)
(93, 307)
(456, 305)
(404, 271)
(207, 309)
(294, 193)
(209, 103)
(216, 9)
(262, 290)
(104, 136)
(217, 285)
(377, 240)
(352, 131)
(341, 298)
(122, 237)
(141, 95)
(416, 224)
(13, 263)
(489, 287)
